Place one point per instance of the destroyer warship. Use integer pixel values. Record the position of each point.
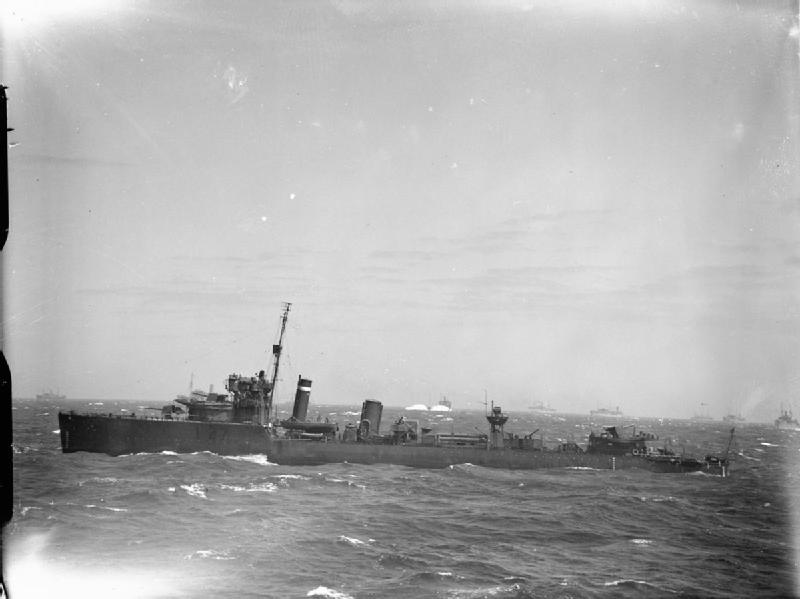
(239, 423)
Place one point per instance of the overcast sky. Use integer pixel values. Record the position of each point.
(589, 204)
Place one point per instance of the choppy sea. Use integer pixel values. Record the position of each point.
(199, 525)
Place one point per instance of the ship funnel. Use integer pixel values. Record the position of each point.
(371, 411)
(301, 399)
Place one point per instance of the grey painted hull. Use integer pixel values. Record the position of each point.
(301, 453)
(120, 435)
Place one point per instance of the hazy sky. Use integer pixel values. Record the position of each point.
(583, 203)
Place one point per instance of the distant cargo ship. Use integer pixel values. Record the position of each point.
(541, 408)
(606, 413)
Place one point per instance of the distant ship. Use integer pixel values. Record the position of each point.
(786, 421)
(606, 413)
(50, 396)
(734, 419)
(702, 415)
(541, 408)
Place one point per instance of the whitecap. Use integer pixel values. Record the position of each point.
(106, 507)
(264, 487)
(209, 554)
(232, 487)
(626, 581)
(257, 458)
(765, 444)
(196, 489)
(351, 540)
(57, 431)
(25, 509)
(641, 541)
(326, 592)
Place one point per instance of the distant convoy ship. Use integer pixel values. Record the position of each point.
(540, 407)
(702, 415)
(734, 419)
(606, 413)
(786, 421)
(239, 423)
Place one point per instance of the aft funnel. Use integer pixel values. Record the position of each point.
(301, 399)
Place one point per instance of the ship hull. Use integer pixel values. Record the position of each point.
(120, 435)
(311, 453)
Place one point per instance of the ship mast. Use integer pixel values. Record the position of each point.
(276, 352)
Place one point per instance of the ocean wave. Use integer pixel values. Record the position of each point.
(514, 590)
(433, 576)
(210, 554)
(107, 507)
(263, 487)
(660, 499)
(257, 458)
(630, 583)
(353, 541)
(326, 592)
(349, 483)
(98, 479)
(232, 487)
(195, 490)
